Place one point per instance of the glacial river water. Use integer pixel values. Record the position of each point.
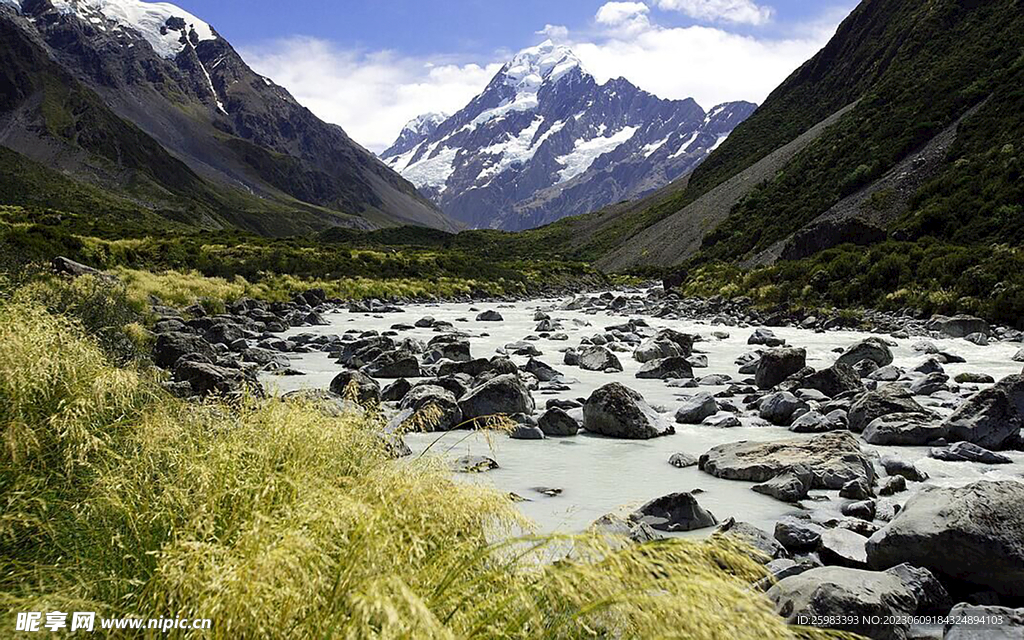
(599, 475)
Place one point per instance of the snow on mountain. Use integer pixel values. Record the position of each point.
(166, 27)
(544, 140)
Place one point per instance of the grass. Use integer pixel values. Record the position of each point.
(275, 519)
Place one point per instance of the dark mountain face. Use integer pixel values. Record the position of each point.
(183, 86)
(544, 140)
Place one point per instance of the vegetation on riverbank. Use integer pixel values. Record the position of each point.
(275, 519)
(930, 277)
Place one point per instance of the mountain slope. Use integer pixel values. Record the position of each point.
(943, 75)
(262, 160)
(544, 140)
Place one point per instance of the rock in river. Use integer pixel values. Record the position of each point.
(991, 417)
(908, 429)
(620, 412)
(833, 459)
(675, 512)
(557, 423)
(598, 359)
(502, 395)
(696, 408)
(973, 534)
(674, 368)
(777, 365)
(875, 404)
(870, 349)
(364, 387)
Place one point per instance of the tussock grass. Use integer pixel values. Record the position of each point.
(275, 519)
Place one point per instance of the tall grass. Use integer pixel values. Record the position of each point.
(276, 520)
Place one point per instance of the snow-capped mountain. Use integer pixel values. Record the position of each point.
(145, 92)
(544, 140)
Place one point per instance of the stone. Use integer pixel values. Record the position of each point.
(959, 326)
(766, 337)
(682, 460)
(856, 490)
(864, 510)
(780, 408)
(832, 459)
(967, 452)
(474, 464)
(722, 420)
(843, 548)
(655, 350)
(790, 486)
(501, 395)
(892, 485)
(526, 432)
(617, 411)
(872, 349)
(905, 429)
(932, 597)
(897, 467)
(875, 404)
(973, 534)
(541, 370)
(430, 408)
(846, 599)
(171, 346)
(489, 316)
(766, 547)
(932, 383)
(981, 622)
(992, 417)
(696, 408)
(675, 512)
(366, 390)
(598, 359)
(674, 368)
(798, 536)
(618, 527)
(210, 379)
(394, 364)
(778, 364)
(557, 423)
(836, 380)
(974, 378)
(395, 391)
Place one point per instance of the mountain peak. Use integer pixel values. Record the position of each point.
(546, 62)
(166, 27)
(424, 124)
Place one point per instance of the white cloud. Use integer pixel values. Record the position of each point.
(554, 32)
(624, 18)
(735, 11)
(710, 64)
(372, 95)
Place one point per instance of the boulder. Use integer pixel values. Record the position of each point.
(837, 379)
(932, 597)
(542, 371)
(870, 349)
(682, 460)
(875, 404)
(959, 326)
(209, 379)
(489, 316)
(502, 395)
(598, 359)
(675, 512)
(171, 346)
(778, 364)
(620, 412)
(979, 622)
(832, 459)
(907, 429)
(846, 599)
(395, 391)
(474, 464)
(683, 341)
(722, 420)
(766, 547)
(780, 408)
(655, 350)
(843, 548)
(898, 467)
(394, 364)
(672, 368)
(432, 408)
(526, 432)
(365, 388)
(992, 417)
(556, 422)
(766, 337)
(790, 486)
(973, 534)
(617, 527)
(798, 536)
(695, 409)
(967, 452)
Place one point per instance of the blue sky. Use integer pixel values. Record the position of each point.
(371, 66)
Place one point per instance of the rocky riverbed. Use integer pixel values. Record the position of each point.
(885, 466)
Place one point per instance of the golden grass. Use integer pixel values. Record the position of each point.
(276, 520)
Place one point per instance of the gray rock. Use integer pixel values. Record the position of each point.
(875, 404)
(837, 379)
(897, 467)
(870, 349)
(907, 429)
(765, 337)
(864, 510)
(767, 547)
(474, 464)
(171, 346)
(694, 409)
(394, 364)
(526, 432)
(833, 459)
(542, 371)
(556, 422)
(856, 490)
(798, 536)
(722, 420)
(959, 326)
(892, 485)
(967, 452)
(502, 395)
(843, 548)
(675, 512)
(790, 486)
(845, 599)
(778, 364)
(617, 527)
(682, 460)
(674, 368)
(992, 417)
(779, 408)
(489, 316)
(598, 359)
(365, 388)
(973, 534)
(656, 350)
(620, 412)
(978, 622)
(430, 408)
(395, 391)
(932, 597)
